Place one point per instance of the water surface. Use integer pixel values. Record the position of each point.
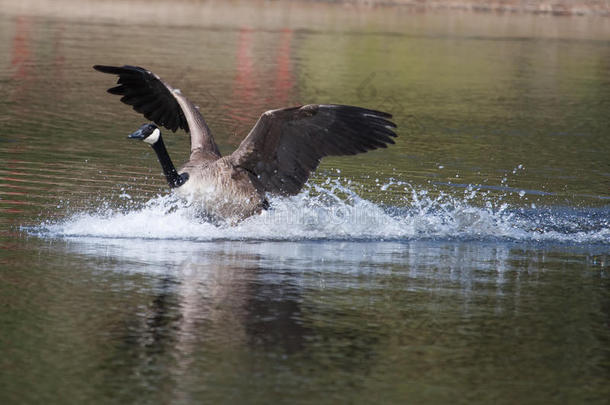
(467, 263)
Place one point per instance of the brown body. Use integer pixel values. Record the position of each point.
(224, 190)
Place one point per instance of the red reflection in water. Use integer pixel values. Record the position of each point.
(12, 193)
(21, 48)
(12, 165)
(27, 86)
(21, 56)
(284, 80)
(249, 89)
(16, 202)
(11, 179)
(11, 211)
(243, 84)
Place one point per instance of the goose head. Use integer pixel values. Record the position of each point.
(151, 134)
(148, 133)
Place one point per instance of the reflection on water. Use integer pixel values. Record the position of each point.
(466, 263)
(187, 321)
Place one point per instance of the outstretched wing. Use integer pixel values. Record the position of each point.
(286, 145)
(148, 95)
(160, 103)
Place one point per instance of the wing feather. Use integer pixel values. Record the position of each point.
(145, 92)
(160, 103)
(286, 145)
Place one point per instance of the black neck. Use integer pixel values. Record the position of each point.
(171, 174)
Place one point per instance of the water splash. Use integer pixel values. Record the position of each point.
(333, 211)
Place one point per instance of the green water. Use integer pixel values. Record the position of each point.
(500, 295)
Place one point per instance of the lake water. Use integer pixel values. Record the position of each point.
(467, 263)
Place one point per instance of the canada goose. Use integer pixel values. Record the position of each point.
(276, 157)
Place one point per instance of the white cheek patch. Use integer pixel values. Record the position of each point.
(154, 137)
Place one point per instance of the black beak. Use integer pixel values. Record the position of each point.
(139, 134)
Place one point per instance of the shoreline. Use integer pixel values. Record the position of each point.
(557, 8)
(538, 7)
(314, 16)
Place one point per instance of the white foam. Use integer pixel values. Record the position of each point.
(333, 211)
